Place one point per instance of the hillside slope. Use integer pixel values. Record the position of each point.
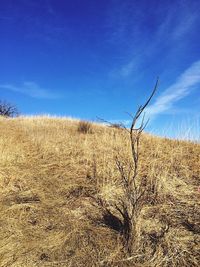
(50, 176)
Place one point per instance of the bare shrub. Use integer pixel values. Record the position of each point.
(116, 125)
(127, 208)
(7, 109)
(85, 127)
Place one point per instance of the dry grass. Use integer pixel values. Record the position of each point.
(50, 175)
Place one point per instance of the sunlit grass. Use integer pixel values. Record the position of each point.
(49, 175)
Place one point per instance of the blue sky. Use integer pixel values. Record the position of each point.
(92, 58)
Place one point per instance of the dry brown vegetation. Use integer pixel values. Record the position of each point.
(52, 176)
(84, 127)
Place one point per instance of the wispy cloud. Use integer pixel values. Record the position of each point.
(184, 85)
(31, 89)
(128, 68)
(176, 26)
(170, 33)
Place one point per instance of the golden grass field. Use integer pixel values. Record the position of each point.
(50, 174)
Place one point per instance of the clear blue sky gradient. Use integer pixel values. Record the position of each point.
(101, 58)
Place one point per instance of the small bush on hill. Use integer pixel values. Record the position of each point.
(116, 126)
(84, 127)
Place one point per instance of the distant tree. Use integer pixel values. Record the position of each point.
(8, 109)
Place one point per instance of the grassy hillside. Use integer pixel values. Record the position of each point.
(51, 175)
